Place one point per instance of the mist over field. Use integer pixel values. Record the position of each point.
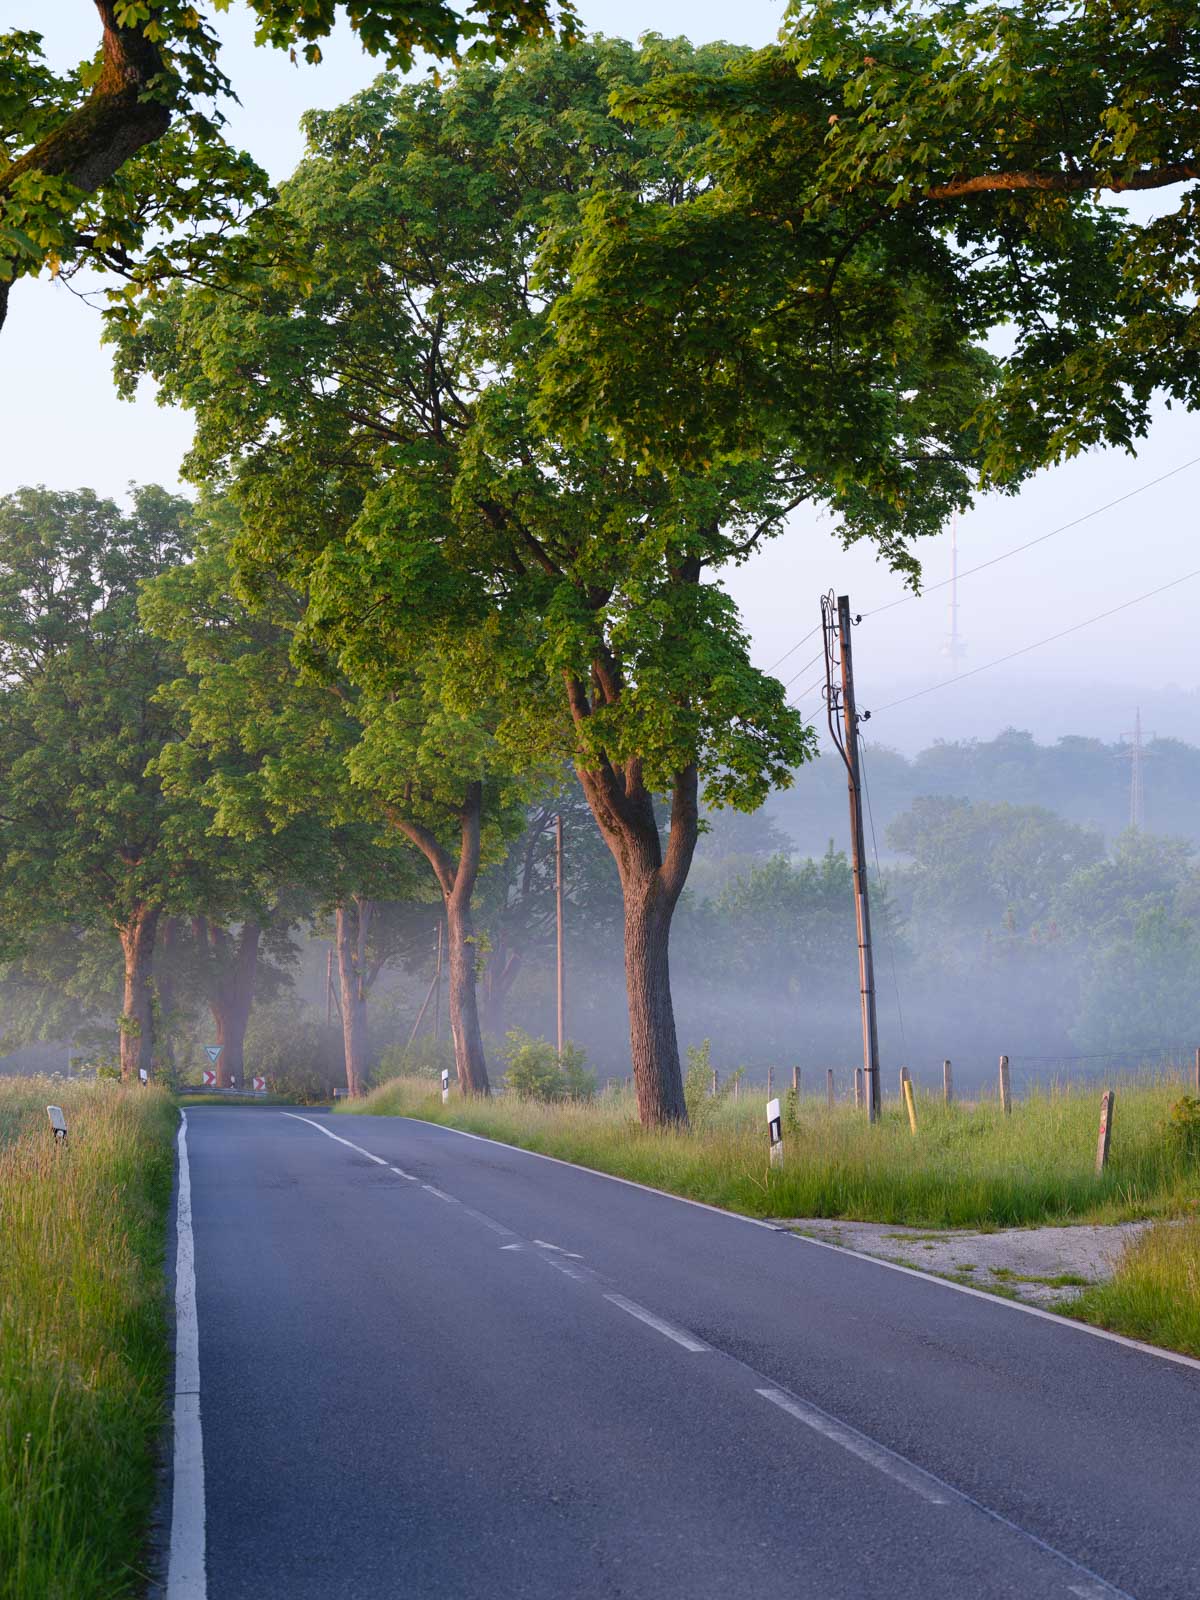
(1015, 912)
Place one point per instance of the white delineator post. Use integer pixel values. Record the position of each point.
(775, 1129)
(445, 1086)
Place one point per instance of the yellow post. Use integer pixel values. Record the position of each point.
(911, 1104)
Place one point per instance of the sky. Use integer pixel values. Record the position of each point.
(62, 424)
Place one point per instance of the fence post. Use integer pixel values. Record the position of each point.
(716, 1083)
(947, 1083)
(1107, 1101)
(770, 1082)
(904, 1078)
(829, 1087)
(1198, 1072)
(858, 1088)
(910, 1104)
(796, 1078)
(1005, 1090)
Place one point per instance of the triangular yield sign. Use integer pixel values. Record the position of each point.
(212, 1051)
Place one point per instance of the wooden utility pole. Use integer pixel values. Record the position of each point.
(558, 915)
(839, 698)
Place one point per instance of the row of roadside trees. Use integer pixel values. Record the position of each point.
(517, 363)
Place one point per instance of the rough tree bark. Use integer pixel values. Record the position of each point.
(457, 883)
(232, 973)
(137, 1019)
(651, 884)
(352, 926)
(91, 145)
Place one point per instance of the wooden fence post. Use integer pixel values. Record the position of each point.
(716, 1083)
(1198, 1072)
(829, 1087)
(796, 1078)
(858, 1088)
(1107, 1101)
(1005, 1090)
(770, 1082)
(904, 1078)
(947, 1083)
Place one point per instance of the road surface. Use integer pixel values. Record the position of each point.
(434, 1366)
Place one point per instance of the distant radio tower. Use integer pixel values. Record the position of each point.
(954, 647)
(1136, 756)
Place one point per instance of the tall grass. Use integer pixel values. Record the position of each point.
(969, 1165)
(83, 1350)
(1155, 1292)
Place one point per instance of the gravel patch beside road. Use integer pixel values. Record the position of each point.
(1042, 1266)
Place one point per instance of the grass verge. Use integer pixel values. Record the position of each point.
(1154, 1293)
(83, 1347)
(968, 1165)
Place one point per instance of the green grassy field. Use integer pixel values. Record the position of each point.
(83, 1349)
(968, 1166)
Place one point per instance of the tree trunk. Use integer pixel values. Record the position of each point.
(457, 883)
(464, 1010)
(137, 1019)
(164, 1046)
(653, 1042)
(351, 926)
(651, 884)
(231, 997)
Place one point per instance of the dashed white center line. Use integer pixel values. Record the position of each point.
(400, 1173)
(667, 1329)
(441, 1194)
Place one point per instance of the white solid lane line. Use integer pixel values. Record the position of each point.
(185, 1562)
(930, 1487)
(379, 1161)
(858, 1444)
(667, 1329)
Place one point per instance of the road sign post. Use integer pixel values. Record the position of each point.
(775, 1129)
(445, 1086)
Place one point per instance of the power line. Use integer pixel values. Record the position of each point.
(1037, 645)
(794, 648)
(803, 669)
(1041, 539)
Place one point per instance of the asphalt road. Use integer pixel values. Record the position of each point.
(459, 1371)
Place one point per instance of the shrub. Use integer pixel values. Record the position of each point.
(295, 1051)
(1183, 1127)
(426, 1057)
(537, 1072)
(698, 1093)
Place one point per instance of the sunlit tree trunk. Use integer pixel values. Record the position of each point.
(137, 1019)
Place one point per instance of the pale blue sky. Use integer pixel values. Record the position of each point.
(62, 425)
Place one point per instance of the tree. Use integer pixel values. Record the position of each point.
(263, 754)
(382, 400)
(87, 835)
(122, 163)
(1000, 126)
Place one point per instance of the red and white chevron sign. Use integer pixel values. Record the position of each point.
(208, 1079)
(260, 1086)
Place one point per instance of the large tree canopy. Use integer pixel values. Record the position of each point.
(128, 146)
(377, 395)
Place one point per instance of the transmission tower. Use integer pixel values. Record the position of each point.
(953, 647)
(1135, 754)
